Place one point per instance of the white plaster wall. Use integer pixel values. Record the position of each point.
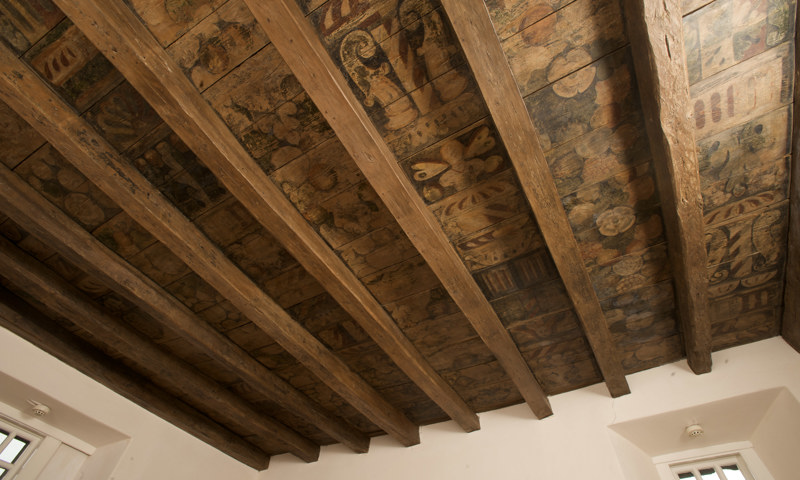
(777, 438)
(575, 443)
(155, 449)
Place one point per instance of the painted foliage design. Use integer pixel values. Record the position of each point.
(746, 253)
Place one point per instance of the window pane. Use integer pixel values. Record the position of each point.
(732, 472)
(709, 474)
(3, 435)
(686, 475)
(13, 450)
(2, 472)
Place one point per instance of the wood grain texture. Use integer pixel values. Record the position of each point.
(142, 61)
(78, 246)
(33, 326)
(657, 43)
(103, 165)
(790, 328)
(58, 295)
(300, 46)
(474, 28)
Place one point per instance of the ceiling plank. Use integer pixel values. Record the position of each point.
(32, 277)
(23, 204)
(23, 90)
(34, 327)
(475, 31)
(128, 44)
(791, 313)
(301, 48)
(656, 36)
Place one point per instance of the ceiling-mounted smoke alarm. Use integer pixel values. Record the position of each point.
(694, 431)
(39, 409)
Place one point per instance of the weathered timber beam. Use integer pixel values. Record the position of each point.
(300, 47)
(656, 36)
(483, 50)
(128, 44)
(30, 276)
(23, 90)
(28, 323)
(791, 309)
(23, 204)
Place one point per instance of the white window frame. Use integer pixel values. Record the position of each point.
(16, 431)
(744, 449)
(715, 463)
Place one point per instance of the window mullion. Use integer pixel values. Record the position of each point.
(720, 473)
(11, 436)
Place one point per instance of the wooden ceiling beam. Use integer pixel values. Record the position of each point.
(474, 29)
(791, 310)
(656, 37)
(28, 208)
(303, 51)
(129, 45)
(24, 91)
(35, 327)
(36, 280)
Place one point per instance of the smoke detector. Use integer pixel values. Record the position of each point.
(39, 409)
(694, 431)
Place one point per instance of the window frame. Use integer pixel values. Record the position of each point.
(714, 462)
(15, 430)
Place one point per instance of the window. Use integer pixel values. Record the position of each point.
(730, 467)
(16, 445)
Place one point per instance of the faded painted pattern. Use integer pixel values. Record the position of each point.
(599, 95)
(64, 186)
(218, 44)
(122, 117)
(457, 163)
(740, 62)
(727, 32)
(25, 22)
(630, 272)
(404, 65)
(599, 154)
(564, 43)
(512, 16)
(72, 65)
(169, 19)
(745, 147)
(747, 252)
(176, 171)
(743, 92)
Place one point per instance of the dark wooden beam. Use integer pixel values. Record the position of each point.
(656, 36)
(791, 310)
(24, 91)
(473, 26)
(32, 211)
(128, 44)
(36, 280)
(301, 48)
(33, 326)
